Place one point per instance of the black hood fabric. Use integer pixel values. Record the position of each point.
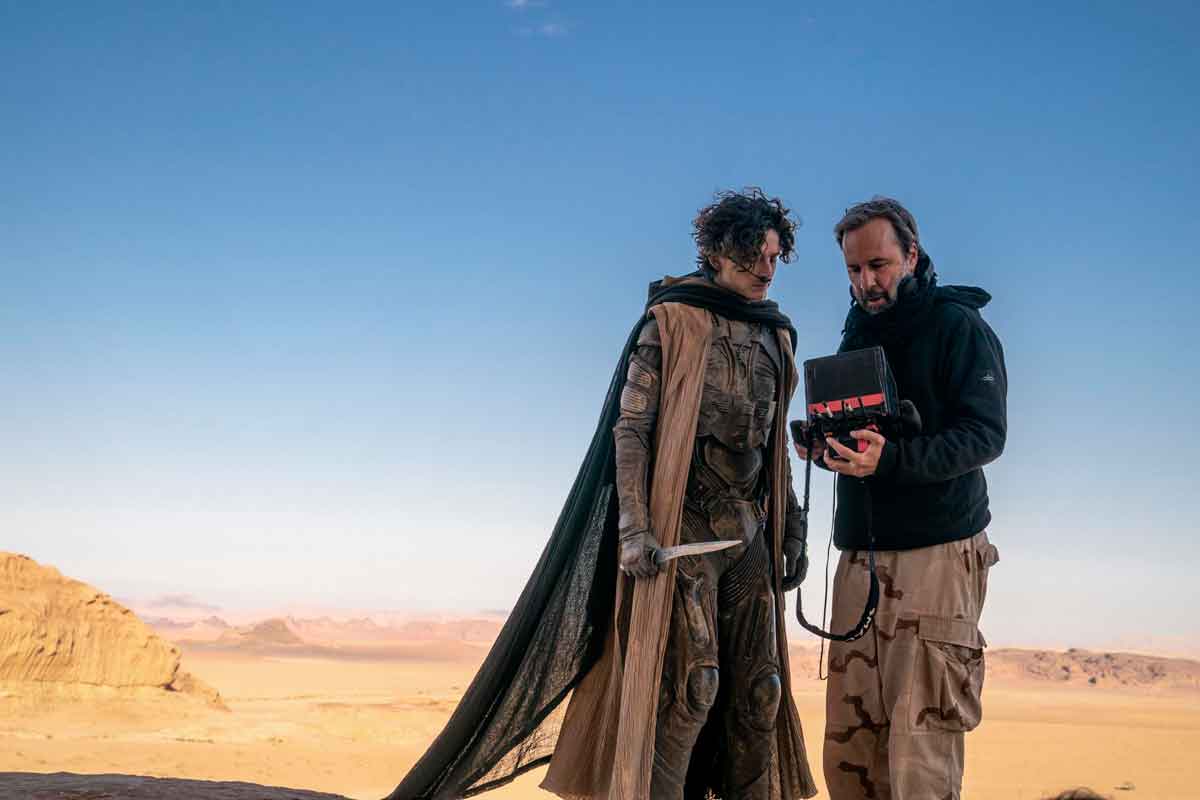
(915, 302)
(505, 723)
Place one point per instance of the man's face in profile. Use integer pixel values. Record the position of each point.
(751, 281)
(876, 264)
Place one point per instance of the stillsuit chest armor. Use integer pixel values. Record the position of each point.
(737, 408)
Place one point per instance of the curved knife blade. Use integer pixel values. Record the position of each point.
(665, 554)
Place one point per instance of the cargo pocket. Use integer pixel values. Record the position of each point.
(947, 677)
(987, 557)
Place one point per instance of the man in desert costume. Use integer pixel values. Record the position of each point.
(676, 667)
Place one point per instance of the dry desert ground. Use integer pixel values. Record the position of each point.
(352, 724)
(346, 706)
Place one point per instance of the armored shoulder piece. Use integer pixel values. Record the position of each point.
(649, 334)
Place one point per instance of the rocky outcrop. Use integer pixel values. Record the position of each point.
(56, 630)
(53, 628)
(200, 630)
(1089, 668)
(268, 633)
(65, 786)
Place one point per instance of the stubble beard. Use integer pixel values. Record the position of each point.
(888, 302)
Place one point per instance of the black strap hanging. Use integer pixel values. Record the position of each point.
(868, 615)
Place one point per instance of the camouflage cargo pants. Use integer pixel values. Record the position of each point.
(900, 699)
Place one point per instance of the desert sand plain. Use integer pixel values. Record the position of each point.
(347, 706)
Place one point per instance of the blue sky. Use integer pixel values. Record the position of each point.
(316, 303)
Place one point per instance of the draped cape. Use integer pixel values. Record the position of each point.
(580, 626)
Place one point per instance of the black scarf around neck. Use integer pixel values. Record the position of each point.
(897, 323)
(915, 304)
(697, 290)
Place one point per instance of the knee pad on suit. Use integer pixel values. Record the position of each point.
(765, 694)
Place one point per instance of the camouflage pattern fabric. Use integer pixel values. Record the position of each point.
(900, 699)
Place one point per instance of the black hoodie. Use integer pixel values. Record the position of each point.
(930, 489)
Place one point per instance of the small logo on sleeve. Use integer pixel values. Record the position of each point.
(988, 377)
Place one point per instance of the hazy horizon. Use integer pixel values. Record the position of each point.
(1034, 636)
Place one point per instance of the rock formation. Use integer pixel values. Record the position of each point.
(56, 630)
(274, 632)
(1088, 668)
(200, 630)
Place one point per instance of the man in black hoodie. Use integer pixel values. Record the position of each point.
(900, 699)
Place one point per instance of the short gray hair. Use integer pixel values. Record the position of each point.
(879, 207)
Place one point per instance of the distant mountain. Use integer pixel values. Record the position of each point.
(201, 630)
(332, 631)
(1089, 668)
(466, 630)
(1073, 667)
(269, 633)
(326, 631)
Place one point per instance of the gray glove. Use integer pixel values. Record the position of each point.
(637, 554)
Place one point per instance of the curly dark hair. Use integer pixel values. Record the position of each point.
(736, 225)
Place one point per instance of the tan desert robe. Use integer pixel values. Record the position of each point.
(605, 749)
